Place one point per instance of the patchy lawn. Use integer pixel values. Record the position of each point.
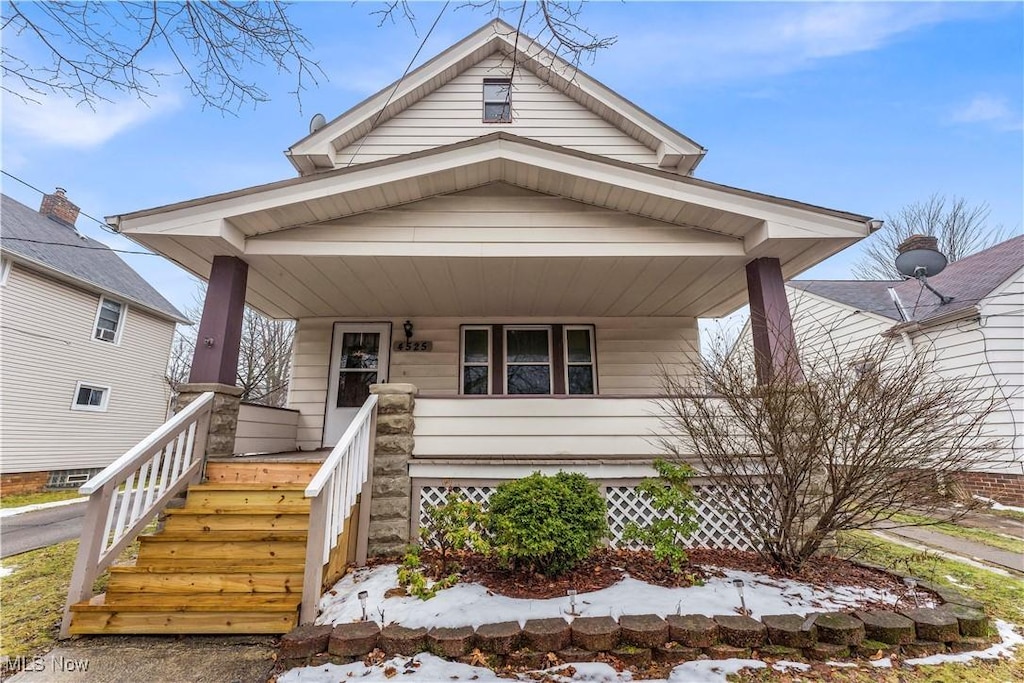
(17, 500)
(996, 540)
(34, 593)
(1002, 595)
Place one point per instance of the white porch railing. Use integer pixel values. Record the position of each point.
(153, 472)
(334, 489)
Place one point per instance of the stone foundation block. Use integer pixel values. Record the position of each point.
(304, 641)
(922, 648)
(393, 444)
(547, 635)
(354, 640)
(950, 596)
(741, 631)
(839, 629)
(401, 423)
(933, 624)
(674, 653)
(528, 659)
(887, 627)
(972, 622)
(643, 630)
(501, 639)
(399, 640)
(598, 634)
(575, 654)
(824, 651)
(693, 630)
(450, 642)
(630, 655)
(391, 487)
(723, 651)
(970, 644)
(391, 404)
(390, 465)
(875, 649)
(787, 630)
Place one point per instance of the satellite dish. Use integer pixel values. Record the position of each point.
(919, 256)
(316, 123)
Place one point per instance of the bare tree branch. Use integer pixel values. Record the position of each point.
(959, 226)
(93, 51)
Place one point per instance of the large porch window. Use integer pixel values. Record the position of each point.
(527, 360)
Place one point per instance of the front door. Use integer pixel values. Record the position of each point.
(359, 358)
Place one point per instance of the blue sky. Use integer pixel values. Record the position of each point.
(861, 107)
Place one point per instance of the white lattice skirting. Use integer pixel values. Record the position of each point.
(718, 526)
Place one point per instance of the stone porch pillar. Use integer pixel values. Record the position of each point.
(390, 509)
(215, 360)
(775, 351)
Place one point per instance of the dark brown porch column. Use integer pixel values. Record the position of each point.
(215, 360)
(775, 349)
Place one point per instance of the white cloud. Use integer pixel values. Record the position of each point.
(58, 121)
(750, 41)
(987, 109)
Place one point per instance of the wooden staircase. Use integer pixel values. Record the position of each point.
(230, 561)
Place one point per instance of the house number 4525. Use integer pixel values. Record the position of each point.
(414, 346)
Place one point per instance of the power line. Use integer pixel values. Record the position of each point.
(82, 213)
(80, 246)
(398, 84)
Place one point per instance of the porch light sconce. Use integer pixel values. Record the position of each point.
(208, 342)
(363, 595)
(738, 583)
(407, 326)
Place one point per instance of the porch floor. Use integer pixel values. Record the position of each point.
(318, 455)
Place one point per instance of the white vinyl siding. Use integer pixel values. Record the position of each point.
(630, 352)
(452, 114)
(48, 347)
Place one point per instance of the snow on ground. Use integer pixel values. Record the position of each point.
(998, 506)
(427, 667)
(6, 571)
(471, 604)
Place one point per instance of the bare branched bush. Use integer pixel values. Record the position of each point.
(855, 444)
(961, 228)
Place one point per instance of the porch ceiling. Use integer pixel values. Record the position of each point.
(680, 247)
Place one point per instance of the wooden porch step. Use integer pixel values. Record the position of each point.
(283, 501)
(205, 535)
(248, 486)
(240, 510)
(191, 579)
(194, 602)
(251, 552)
(113, 621)
(289, 472)
(188, 520)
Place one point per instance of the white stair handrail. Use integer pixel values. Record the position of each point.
(153, 472)
(334, 490)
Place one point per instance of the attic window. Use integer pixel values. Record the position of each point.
(108, 320)
(497, 100)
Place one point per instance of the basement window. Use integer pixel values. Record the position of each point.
(91, 397)
(497, 100)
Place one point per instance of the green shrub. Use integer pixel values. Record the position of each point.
(546, 524)
(672, 498)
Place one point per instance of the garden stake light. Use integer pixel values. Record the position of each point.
(362, 602)
(743, 603)
(911, 584)
(572, 601)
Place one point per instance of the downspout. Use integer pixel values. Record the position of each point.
(908, 344)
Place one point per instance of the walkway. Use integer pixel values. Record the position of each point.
(975, 550)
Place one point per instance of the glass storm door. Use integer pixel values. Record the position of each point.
(359, 358)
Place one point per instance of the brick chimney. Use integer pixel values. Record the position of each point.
(918, 242)
(59, 208)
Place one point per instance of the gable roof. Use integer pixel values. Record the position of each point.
(968, 281)
(314, 152)
(30, 237)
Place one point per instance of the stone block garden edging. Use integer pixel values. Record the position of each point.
(639, 640)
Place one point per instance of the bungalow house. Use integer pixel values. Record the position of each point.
(85, 345)
(487, 262)
(977, 335)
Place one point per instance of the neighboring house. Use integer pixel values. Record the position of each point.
(85, 342)
(978, 335)
(503, 238)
